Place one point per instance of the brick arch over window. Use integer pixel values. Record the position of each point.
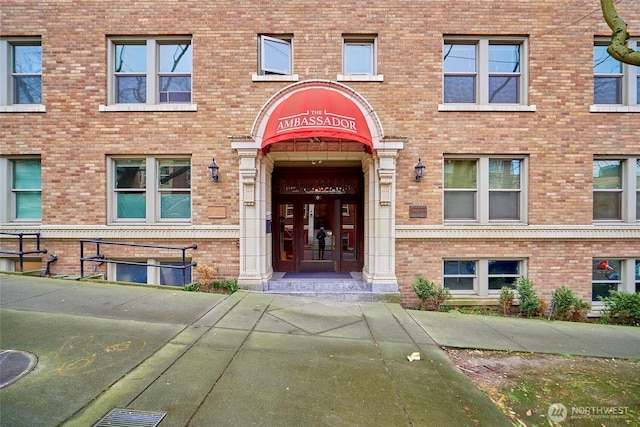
(317, 109)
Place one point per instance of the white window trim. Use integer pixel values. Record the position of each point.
(364, 77)
(481, 278)
(482, 190)
(626, 284)
(482, 86)
(153, 103)
(6, 85)
(8, 213)
(629, 191)
(283, 39)
(152, 193)
(629, 85)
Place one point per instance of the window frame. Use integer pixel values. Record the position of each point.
(627, 280)
(8, 214)
(360, 39)
(630, 191)
(483, 191)
(152, 74)
(153, 272)
(7, 89)
(483, 75)
(283, 39)
(482, 276)
(152, 191)
(629, 77)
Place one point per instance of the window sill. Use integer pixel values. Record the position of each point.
(275, 78)
(479, 108)
(23, 108)
(360, 78)
(147, 107)
(599, 108)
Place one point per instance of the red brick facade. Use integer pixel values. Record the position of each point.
(561, 137)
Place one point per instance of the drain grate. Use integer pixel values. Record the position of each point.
(123, 417)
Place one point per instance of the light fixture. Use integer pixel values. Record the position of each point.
(419, 171)
(213, 170)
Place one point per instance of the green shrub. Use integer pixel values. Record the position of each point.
(529, 302)
(567, 306)
(192, 287)
(431, 295)
(227, 285)
(623, 307)
(507, 296)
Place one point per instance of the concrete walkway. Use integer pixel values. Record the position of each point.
(255, 359)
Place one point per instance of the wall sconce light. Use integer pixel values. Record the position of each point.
(419, 171)
(213, 170)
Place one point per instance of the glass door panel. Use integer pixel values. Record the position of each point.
(286, 235)
(318, 233)
(348, 232)
(349, 237)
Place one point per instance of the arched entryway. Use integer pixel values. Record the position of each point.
(317, 153)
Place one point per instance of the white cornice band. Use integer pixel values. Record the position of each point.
(530, 232)
(128, 232)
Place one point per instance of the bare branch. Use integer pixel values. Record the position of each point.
(618, 45)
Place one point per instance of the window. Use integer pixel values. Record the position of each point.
(614, 83)
(23, 189)
(616, 189)
(608, 274)
(485, 190)
(154, 73)
(150, 190)
(360, 58)
(480, 277)
(276, 55)
(20, 74)
(484, 72)
(169, 275)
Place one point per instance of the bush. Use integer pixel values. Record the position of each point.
(207, 281)
(530, 304)
(623, 307)
(192, 287)
(431, 295)
(566, 306)
(507, 296)
(228, 285)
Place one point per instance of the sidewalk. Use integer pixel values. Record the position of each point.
(255, 359)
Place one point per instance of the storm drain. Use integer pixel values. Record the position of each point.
(15, 364)
(123, 417)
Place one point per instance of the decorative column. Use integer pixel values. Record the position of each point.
(252, 212)
(380, 240)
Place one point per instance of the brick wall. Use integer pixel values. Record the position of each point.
(561, 137)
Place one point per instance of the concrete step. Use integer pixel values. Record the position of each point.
(318, 286)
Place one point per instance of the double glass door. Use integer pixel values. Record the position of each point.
(317, 234)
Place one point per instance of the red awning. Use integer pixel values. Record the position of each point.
(316, 113)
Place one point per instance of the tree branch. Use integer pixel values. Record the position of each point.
(618, 45)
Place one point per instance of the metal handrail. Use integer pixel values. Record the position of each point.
(21, 252)
(101, 258)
